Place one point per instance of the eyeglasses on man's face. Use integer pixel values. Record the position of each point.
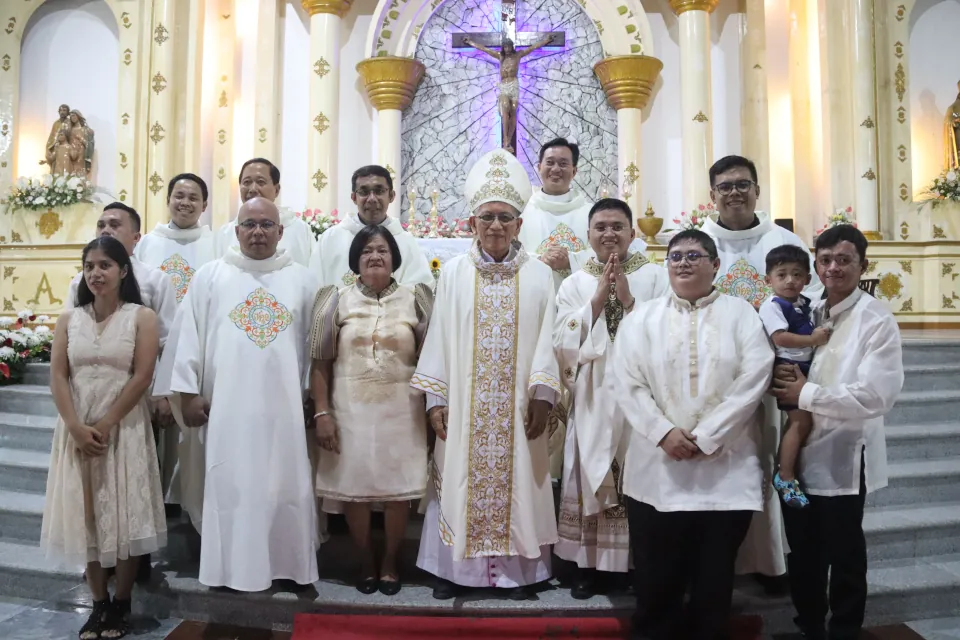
(503, 218)
(364, 192)
(692, 257)
(265, 225)
(742, 186)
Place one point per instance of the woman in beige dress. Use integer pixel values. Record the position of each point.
(370, 423)
(103, 504)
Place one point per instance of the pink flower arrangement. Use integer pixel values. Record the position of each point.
(696, 218)
(317, 221)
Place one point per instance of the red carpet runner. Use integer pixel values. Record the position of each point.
(356, 627)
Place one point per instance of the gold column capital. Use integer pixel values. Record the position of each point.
(628, 80)
(335, 7)
(390, 81)
(682, 6)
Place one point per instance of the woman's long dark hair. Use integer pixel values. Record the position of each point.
(129, 287)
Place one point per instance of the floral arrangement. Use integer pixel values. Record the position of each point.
(318, 222)
(46, 192)
(944, 187)
(435, 268)
(21, 344)
(839, 217)
(420, 227)
(695, 219)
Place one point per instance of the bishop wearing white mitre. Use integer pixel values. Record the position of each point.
(238, 362)
(744, 236)
(260, 178)
(491, 378)
(591, 303)
(178, 248)
(371, 189)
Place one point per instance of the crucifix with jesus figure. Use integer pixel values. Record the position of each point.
(509, 56)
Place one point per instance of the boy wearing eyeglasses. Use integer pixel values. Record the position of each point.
(787, 318)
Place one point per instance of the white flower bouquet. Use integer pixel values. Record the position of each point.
(944, 187)
(318, 221)
(47, 192)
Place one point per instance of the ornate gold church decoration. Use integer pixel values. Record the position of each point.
(11, 25)
(938, 233)
(49, 223)
(123, 160)
(4, 129)
(392, 172)
(156, 183)
(223, 99)
(8, 271)
(904, 192)
(632, 173)
(869, 175)
(907, 305)
(334, 7)
(319, 180)
(390, 82)
(948, 302)
(901, 115)
(901, 12)
(160, 34)
(902, 153)
(123, 195)
(599, 27)
(900, 81)
(125, 20)
(6, 62)
(44, 287)
(889, 287)
(222, 136)
(904, 230)
(898, 49)
(159, 83)
(8, 306)
(127, 57)
(321, 123)
(700, 117)
(125, 119)
(221, 173)
(628, 80)
(680, 6)
(868, 123)
(321, 67)
(871, 267)
(946, 269)
(263, 135)
(156, 132)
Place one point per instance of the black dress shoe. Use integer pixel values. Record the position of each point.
(390, 587)
(367, 586)
(584, 586)
(444, 590)
(773, 585)
(519, 593)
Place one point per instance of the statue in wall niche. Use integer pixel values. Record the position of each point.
(80, 131)
(951, 134)
(62, 121)
(66, 156)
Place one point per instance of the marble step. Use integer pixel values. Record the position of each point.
(21, 516)
(912, 531)
(929, 352)
(923, 441)
(931, 377)
(24, 471)
(37, 373)
(32, 399)
(919, 482)
(916, 407)
(25, 431)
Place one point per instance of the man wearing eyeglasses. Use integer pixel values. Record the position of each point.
(236, 364)
(372, 192)
(689, 370)
(744, 236)
(260, 178)
(490, 377)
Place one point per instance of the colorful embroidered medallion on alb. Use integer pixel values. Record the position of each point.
(261, 317)
(744, 281)
(180, 272)
(562, 236)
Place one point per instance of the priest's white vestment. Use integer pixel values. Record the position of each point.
(179, 253)
(593, 528)
(156, 289)
(742, 269)
(490, 517)
(240, 341)
(331, 256)
(557, 221)
(298, 239)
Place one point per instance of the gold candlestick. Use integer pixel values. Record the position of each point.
(434, 214)
(412, 211)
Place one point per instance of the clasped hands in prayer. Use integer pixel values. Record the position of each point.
(612, 274)
(534, 424)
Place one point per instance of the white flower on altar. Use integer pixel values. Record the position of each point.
(42, 330)
(951, 177)
(47, 180)
(34, 340)
(24, 314)
(42, 318)
(18, 338)
(6, 321)
(6, 353)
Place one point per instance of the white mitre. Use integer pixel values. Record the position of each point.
(497, 177)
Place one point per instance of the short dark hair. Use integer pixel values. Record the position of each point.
(129, 287)
(192, 177)
(562, 142)
(134, 216)
(732, 162)
(840, 233)
(788, 254)
(697, 236)
(274, 171)
(370, 170)
(610, 204)
(363, 238)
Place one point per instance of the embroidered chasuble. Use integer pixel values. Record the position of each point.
(487, 352)
(179, 253)
(240, 341)
(298, 240)
(330, 259)
(593, 520)
(557, 221)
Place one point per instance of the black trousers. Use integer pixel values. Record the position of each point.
(827, 545)
(677, 551)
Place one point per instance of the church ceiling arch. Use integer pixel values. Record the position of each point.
(622, 25)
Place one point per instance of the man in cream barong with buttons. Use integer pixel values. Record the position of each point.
(591, 303)
(491, 378)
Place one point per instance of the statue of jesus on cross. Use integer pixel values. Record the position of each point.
(509, 99)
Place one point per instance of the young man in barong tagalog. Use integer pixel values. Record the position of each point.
(591, 304)
(490, 375)
(854, 381)
(744, 237)
(372, 192)
(260, 178)
(688, 371)
(237, 364)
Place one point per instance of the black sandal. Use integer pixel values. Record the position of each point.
(116, 620)
(94, 624)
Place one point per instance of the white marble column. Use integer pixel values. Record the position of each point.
(864, 74)
(695, 101)
(390, 83)
(754, 115)
(266, 110)
(162, 147)
(325, 18)
(223, 204)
